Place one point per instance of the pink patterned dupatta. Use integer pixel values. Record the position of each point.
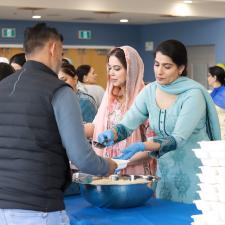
(110, 113)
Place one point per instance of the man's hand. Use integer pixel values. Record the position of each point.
(112, 166)
(128, 152)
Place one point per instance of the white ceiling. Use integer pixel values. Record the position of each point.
(111, 11)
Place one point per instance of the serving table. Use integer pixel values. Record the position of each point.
(154, 212)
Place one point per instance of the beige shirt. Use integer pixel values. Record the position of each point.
(96, 91)
(221, 115)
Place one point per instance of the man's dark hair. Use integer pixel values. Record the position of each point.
(38, 35)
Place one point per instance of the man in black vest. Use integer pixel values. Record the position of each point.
(38, 133)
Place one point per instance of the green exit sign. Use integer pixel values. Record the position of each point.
(8, 32)
(84, 34)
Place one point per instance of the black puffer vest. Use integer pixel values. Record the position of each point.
(34, 168)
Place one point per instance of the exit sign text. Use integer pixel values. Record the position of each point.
(8, 32)
(84, 34)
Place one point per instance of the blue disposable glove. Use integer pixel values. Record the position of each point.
(117, 171)
(106, 138)
(128, 152)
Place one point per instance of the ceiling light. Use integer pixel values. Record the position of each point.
(36, 16)
(124, 21)
(188, 1)
(181, 10)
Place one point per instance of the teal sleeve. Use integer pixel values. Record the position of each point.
(122, 132)
(167, 144)
(192, 111)
(137, 113)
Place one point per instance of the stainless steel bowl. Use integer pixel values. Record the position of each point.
(119, 195)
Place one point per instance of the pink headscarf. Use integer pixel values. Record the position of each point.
(134, 84)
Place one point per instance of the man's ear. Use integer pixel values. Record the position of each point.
(52, 47)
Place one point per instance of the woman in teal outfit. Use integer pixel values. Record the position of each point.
(181, 114)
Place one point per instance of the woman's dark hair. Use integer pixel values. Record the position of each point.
(5, 70)
(82, 71)
(119, 54)
(176, 51)
(18, 59)
(219, 73)
(64, 60)
(69, 69)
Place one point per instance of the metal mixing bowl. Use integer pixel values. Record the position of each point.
(118, 196)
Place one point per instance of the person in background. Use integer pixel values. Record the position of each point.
(87, 79)
(4, 59)
(39, 134)
(216, 80)
(17, 61)
(5, 70)
(181, 113)
(87, 103)
(125, 81)
(66, 60)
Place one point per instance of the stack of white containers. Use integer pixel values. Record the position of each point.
(212, 184)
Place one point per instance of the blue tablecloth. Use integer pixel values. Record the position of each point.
(155, 212)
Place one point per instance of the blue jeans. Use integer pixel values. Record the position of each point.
(29, 217)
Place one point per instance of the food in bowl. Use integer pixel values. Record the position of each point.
(109, 181)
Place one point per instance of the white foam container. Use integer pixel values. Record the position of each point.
(199, 219)
(211, 162)
(207, 179)
(209, 170)
(204, 206)
(208, 196)
(201, 154)
(211, 145)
